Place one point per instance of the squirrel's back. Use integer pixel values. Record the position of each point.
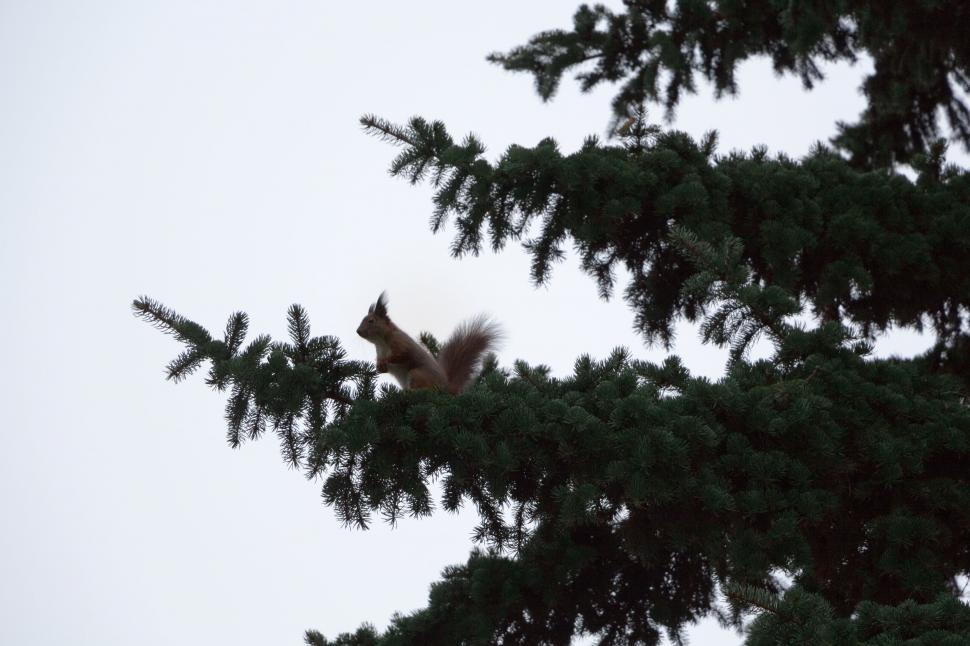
(461, 356)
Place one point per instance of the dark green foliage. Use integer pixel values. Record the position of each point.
(802, 618)
(294, 387)
(919, 48)
(629, 490)
(365, 636)
(630, 499)
(768, 469)
(430, 342)
(873, 248)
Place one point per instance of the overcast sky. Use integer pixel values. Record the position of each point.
(208, 154)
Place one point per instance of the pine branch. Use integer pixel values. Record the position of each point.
(387, 131)
(299, 328)
(184, 365)
(169, 322)
(236, 330)
(745, 309)
(654, 52)
(748, 595)
(286, 385)
(430, 342)
(604, 458)
(617, 205)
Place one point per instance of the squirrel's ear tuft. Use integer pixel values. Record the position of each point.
(380, 307)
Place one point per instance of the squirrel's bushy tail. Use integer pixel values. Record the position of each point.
(461, 356)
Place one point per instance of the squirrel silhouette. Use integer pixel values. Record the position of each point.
(414, 366)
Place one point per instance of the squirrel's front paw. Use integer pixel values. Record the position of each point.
(382, 365)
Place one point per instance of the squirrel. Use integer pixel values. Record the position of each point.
(414, 366)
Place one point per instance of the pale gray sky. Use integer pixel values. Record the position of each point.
(208, 154)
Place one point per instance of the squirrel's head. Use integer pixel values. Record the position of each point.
(375, 324)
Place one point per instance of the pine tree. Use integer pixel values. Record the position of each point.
(629, 499)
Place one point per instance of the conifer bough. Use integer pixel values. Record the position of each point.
(630, 499)
(919, 50)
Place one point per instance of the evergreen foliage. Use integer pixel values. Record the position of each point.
(870, 248)
(630, 499)
(919, 49)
